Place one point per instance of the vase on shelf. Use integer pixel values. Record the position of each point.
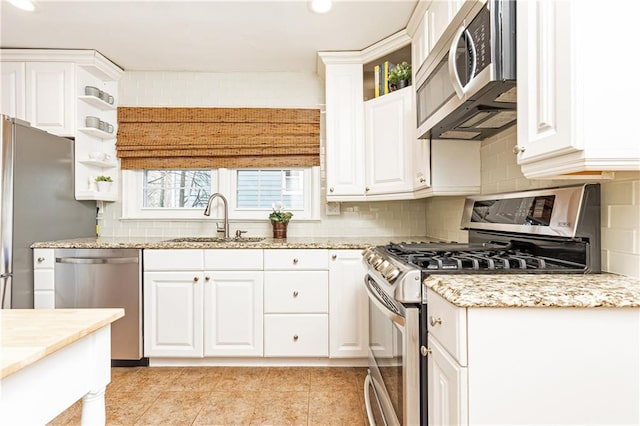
(279, 230)
(104, 186)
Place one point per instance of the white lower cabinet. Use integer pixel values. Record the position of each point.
(544, 366)
(233, 313)
(43, 279)
(254, 303)
(173, 314)
(348, 305)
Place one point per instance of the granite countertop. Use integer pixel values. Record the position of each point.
(28, 335)
(231, 243)
(537, 290)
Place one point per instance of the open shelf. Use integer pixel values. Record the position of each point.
(96, 196)
(97, 133)
(102, 164)
(97, 102)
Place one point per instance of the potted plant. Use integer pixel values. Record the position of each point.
(279, 220)
(104, 183)
(400, 76)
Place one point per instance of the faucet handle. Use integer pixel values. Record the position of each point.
(239, 233)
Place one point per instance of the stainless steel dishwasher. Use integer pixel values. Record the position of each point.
(105, 278)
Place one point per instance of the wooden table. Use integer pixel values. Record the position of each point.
(50, 358)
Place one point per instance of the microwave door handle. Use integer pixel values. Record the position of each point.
(453, 70)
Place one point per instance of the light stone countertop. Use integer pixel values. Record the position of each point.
(28, 335)
(337, 243)
(537, 290)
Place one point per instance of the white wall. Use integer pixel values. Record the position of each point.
(405, 218)
(620, 204)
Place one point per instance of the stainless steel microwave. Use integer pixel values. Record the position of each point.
(468, 87)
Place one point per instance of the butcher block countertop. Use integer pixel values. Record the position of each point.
(336, 243)
(537, 290)
(28, 335)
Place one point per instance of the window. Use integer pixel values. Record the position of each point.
(251, 193)
(176, 188)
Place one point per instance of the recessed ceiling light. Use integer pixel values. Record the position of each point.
(321, 6)
(27, 5)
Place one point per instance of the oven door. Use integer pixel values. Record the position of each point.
(394, 364)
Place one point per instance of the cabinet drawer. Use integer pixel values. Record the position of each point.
(43, 258)
(44, 299)
(296, 335)
(296, 292)
(448, 324)
(233, 260)
(297, 259)
(172, 260)
(43, 279)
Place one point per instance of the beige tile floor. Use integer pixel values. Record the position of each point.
(231, 396)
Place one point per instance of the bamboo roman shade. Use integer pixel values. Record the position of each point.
(193, 138)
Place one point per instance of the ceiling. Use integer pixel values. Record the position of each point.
(214, 35)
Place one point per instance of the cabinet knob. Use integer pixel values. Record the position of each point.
(207, 279)
(331, 189)
(435, 321)
(40, 259)
(196, 279)
(422, 180)
(295, 337)
(295, 261)
(334, 256)
(425, 351)
(518, 149)
(295, 293)
(367, 189)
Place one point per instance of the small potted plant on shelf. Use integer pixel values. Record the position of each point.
(400, 76)
(279, 220)
(104, 183)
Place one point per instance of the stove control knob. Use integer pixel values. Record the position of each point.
(392, 273)
(382, 266)
(376, 260)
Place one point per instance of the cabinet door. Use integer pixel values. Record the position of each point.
(233, 313)
(547, 88)
(50, 93)
(345, 140)
(446, 388)
(348, 305)
(173, 314)
(440, 15)
(389, 133)
(12, 89)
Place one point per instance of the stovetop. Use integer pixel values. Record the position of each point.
(437, 257)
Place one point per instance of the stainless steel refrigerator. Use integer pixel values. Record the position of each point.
(36, 203)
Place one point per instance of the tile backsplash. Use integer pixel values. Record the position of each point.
(398, 218)
(437, 217)
(620, 245)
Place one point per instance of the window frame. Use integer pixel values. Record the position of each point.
(225, 182)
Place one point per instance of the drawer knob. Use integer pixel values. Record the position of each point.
(295, 293)
(40, 259)
(331, 189)
(196, 279)
(425, 351)
(334, 256)
(518, 149)
(422, 180)
(435, 321)
(295, 261)
(295, 337)
(207, 279)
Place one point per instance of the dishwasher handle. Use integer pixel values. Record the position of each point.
(96, 260)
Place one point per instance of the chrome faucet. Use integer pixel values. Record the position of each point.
(207, 212)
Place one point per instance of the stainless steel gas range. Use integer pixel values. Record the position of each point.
(554, 230)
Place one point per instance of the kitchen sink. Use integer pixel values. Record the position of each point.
(215, 240)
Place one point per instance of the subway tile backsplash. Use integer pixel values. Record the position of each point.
(437, 217)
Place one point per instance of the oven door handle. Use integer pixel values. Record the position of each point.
(398, 319)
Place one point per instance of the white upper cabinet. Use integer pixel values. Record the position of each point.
(345, 130)
(12, 89)
(50, 102)
(389, 130)
(572, 111)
